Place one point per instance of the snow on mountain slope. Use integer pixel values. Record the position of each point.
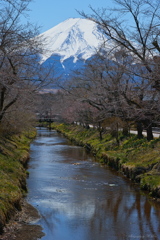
(75, 37)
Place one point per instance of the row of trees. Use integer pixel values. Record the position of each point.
(21, 75)
(119, 86)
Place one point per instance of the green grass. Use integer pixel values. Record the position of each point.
(14, 152)
(131, 153)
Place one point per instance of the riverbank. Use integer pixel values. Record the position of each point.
(19, 227)
(136, 158)
(14, 155)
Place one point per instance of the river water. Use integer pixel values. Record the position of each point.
(79, 199)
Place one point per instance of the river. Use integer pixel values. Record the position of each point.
(80, 199)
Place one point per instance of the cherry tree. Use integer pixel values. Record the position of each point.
(20, 70)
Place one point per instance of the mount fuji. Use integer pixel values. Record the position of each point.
(69, 44)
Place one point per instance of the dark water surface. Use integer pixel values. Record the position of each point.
(80, 200)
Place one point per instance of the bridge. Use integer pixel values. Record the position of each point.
(46, 119)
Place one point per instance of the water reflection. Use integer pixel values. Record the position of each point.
(78, 199)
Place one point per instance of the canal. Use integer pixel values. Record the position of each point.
(79, 199)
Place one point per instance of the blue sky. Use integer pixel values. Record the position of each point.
(49, 13)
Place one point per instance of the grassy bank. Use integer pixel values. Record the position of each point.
(14, 153)
(136, 158)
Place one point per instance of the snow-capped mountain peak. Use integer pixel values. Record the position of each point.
(75, 37)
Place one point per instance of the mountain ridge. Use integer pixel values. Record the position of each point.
(73, 37)
(68, 46)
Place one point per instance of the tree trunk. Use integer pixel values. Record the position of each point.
(149, 133)
(125, 129)
(139, 130)
(117, 135)
(100, 129)
(148, 126)
(115, 132)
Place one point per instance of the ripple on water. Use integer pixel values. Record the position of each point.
(77, 197)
